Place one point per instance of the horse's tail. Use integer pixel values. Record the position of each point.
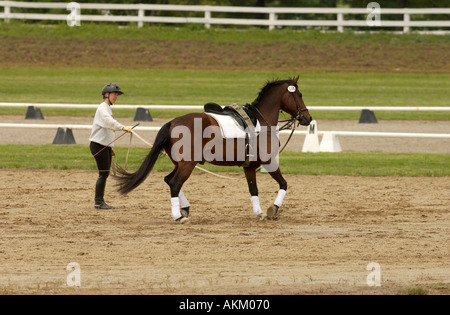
(129, 181)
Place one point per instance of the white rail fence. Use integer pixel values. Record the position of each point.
(329, 143)
(206, 15)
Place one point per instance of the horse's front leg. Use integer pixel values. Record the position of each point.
(185, 205)
(250, 174)
(274, 210)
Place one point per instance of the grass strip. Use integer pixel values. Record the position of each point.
(78, 157)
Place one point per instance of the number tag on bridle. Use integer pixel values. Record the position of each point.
(292, 88)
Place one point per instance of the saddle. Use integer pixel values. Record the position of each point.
(243, 116)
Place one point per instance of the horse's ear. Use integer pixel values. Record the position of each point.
(296, 79)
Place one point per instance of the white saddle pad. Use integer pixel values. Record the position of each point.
(229, 128)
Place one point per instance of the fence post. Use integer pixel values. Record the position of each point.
(7, 12)
(141, 14)
(406, 20)
(272, 19)
(207, 19)
(340, 20)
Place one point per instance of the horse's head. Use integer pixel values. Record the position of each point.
(292, 103)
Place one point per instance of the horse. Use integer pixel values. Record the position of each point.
(188, 140)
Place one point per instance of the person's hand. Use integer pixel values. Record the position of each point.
(127, 129)
(113, 152)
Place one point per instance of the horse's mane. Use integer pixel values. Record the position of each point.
(267, 87)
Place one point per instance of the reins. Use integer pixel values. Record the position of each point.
(290, 136)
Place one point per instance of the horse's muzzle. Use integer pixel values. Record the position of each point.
(305, 121)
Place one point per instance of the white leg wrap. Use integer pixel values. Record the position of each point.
(183, 200)
(176, 213)
(279, 201)
(256, 205)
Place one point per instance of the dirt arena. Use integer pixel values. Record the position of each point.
(330, 229)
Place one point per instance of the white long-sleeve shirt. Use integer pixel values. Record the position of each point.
(104, 126)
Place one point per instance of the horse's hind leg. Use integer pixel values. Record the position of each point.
(273, 211)
(175, 180)
(184, 202)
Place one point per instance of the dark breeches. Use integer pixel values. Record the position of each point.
(104, 160)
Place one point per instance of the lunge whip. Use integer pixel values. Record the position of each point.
(107, 146)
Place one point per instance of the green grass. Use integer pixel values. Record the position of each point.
(77, 157)
(59, 30)
(177, 87)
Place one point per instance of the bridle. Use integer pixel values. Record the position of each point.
(290, 123)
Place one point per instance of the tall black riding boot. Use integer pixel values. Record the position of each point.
(99, 194)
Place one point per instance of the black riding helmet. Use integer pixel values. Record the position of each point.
(111, 88)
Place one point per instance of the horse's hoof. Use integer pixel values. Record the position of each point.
(272, 212)
(185, 212)
(182, 220)
(261, 216)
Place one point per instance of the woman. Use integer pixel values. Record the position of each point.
(102, 137)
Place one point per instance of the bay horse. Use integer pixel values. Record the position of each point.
(196, 138)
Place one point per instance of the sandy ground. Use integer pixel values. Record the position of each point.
(330, 229)
(348, 143)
